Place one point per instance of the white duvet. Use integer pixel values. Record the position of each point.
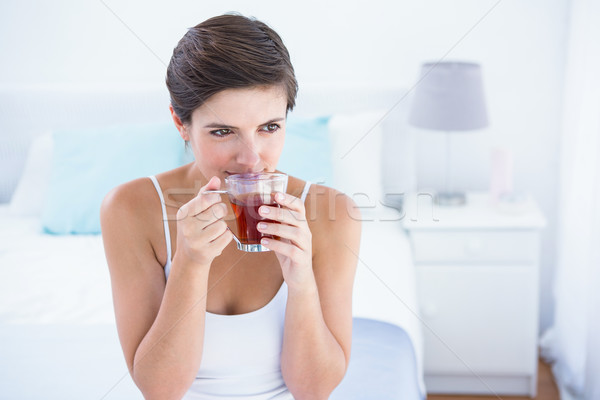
(51, 279)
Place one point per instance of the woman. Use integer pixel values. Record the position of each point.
(198, 318)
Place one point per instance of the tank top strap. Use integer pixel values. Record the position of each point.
(305, 191)
(165, 222)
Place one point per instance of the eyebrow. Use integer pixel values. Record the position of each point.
(223, 126)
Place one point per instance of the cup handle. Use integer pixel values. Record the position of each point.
(224, 192)
(215, 191)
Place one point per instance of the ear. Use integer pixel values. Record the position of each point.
(179, 125)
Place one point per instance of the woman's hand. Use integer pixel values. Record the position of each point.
(294, 249)
(202, 233)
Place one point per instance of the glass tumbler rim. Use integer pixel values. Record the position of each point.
(255, 176)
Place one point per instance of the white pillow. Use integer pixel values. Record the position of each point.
(356, 146)
(28, 197)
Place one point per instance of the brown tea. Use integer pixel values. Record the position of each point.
(245, 208)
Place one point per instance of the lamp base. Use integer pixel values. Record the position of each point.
(450, 199)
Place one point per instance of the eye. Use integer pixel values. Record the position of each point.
(221, 132)
(271, 128)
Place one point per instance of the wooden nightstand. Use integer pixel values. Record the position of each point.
(478, 287)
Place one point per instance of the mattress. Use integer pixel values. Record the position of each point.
(58, 338)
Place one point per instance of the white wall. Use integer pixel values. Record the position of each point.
(521, 47)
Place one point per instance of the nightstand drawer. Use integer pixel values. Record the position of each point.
(480, 317)
(474, 246)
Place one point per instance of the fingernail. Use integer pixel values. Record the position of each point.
(265, 210)
(262, 225)
(264, 241)
(279, 196)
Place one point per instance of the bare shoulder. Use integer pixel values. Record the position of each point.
(334, 221)
(329, 208)
(128, 220)
(129, 199)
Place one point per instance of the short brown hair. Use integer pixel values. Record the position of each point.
(227, 52)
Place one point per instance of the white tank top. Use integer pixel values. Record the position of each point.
(241, 356)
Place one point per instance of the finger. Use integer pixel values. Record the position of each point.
(198, 205)
(284, 215)
(213, 213)
(292, 202)
(202, 229)
(202, 200)
(283, 248)
(214, 230)
(292, 233)
(223, 240)
(214, 183)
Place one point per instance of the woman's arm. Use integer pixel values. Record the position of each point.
(168, 357)
(160, 324)
(318, 320)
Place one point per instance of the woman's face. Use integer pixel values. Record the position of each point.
(238, 130)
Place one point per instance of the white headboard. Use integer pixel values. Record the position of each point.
(26, 112)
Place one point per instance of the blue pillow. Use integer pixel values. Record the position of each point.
(307, 150)
(87, 164)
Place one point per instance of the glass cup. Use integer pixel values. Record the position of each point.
(247, 192)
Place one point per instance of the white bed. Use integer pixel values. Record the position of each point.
(57, 334)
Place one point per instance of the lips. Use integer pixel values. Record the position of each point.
(244, 172)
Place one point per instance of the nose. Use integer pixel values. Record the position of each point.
(247, 153)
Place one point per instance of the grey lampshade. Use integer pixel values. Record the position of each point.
(449, 97)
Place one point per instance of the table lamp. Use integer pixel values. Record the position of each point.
(449, 98)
